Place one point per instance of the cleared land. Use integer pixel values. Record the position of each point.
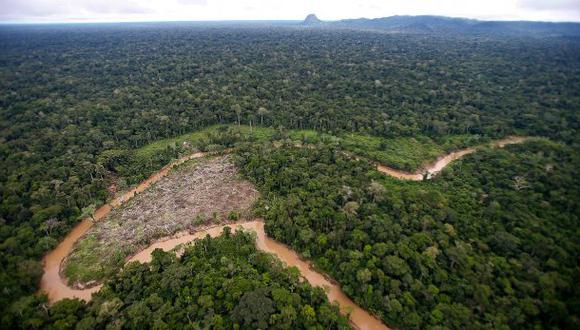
(194, 194)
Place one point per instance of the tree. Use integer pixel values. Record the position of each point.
(377, 190)
(49, 225)
(262, 112)
(350, 208)
(364, 275)
(254, 309)
(237, 109)
(520, 183)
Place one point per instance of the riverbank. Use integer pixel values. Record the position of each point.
(431, 170)
(51, 282)
(360, 318)
(198, 193)
(55, 286)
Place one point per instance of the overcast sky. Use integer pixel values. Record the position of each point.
(194, 10)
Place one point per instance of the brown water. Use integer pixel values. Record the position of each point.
(358, 316)
(432, 169)
(51, 282)
(57, 289)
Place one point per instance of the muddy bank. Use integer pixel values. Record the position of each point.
(431, 170)
(360, 318)
(51, 282)
(55, 286)
(198, 193)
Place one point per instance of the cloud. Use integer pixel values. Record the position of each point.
(164, 10)
(550, 4)
(45, 8)
(31, 8)
(194, 2)
(116, 7)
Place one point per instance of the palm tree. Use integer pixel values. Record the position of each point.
(262, 112)
(238, 110)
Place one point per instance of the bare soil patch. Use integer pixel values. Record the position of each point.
(195, 194)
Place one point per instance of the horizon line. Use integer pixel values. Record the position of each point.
(90, 21)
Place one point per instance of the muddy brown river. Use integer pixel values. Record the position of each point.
(51, 282)
(431, 170)
(360, 318)
(56, 288)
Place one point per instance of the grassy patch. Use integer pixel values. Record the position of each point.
(137, 164)
(87, 264)
(230, 134)
(406, 153)
(207, 136)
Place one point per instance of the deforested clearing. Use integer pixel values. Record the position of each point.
(195, 194)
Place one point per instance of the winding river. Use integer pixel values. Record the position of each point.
(433, 169)
(360, 318)
(51, 281)
(56, 288)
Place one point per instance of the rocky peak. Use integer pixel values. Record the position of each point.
(312, 19)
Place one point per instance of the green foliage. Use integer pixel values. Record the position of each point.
(491, 242)
(406, 153)
(87, 263)
(222, 283)
(83, 105)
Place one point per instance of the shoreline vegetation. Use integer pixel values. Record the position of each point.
(195, 193)
(92, 284)
(305, 115)
(57, 289)
(419, 254)
(404, 154)
(358, 317)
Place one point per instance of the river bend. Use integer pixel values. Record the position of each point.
(56, 288)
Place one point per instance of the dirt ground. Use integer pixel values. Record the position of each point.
(194, 194)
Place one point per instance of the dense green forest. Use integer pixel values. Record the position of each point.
(78, 103)
(219, 283)
(492, 242)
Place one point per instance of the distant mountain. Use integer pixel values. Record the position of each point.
(311, 20)
(450, 25)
